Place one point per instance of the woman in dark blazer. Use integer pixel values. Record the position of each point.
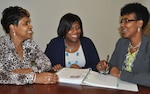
(70, 48)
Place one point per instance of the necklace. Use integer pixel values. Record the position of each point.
(71, 49)
(134, 47)
(67, 47)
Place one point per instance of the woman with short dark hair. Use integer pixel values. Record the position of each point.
(21, 60)
(130, 60)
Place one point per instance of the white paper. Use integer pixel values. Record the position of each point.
(72, 76)
(100, 80)
(108, 81)
(123, 85)
(92, 78)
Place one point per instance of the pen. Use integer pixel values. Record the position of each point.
(106, 69)
(107, 59)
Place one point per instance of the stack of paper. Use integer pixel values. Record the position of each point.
(100, 80)
(72, 76)
(92, 78)
(108, 81)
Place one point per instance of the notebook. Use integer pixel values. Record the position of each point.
(92, 78)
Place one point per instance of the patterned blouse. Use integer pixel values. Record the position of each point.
(9, 60)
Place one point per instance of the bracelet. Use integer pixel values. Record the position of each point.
(34, 78)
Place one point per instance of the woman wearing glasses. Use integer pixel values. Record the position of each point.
(130, 60)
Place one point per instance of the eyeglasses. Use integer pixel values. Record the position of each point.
(126, 21)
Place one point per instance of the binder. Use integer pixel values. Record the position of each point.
(92, 78)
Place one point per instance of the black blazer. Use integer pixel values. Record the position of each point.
(56, 52)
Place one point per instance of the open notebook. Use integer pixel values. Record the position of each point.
(72, 76)
(92, 78)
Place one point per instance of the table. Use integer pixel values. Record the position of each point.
(61, 88)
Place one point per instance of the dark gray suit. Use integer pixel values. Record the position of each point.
(141, 70)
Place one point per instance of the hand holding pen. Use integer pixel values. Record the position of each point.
(107, 65)
(103, 66)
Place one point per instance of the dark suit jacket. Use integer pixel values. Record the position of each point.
(141, 66)
(56, 52)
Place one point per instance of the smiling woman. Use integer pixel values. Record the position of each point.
(18, 51)
(70, 48)
(131, 58)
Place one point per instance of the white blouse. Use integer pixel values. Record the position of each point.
(75, 58)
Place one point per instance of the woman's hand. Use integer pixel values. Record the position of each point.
(46, 78)
(115, 72)
(102, 66)
(75, 66)
(57, 67)
(23, 70)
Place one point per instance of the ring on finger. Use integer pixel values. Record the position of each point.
(48, 79)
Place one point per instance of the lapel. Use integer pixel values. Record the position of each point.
(141, 56)
(124, 50)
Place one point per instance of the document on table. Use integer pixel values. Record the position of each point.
(100, 80)
(92, 78)
(108, 81)
(123, 85)
(72, 76)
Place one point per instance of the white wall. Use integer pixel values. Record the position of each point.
(100, 19)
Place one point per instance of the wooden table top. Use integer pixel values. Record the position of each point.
(61, 88)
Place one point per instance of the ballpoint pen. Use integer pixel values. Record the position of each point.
(107, 59)
(107, 69)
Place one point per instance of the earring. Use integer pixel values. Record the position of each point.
(14, 33)
(139, 29)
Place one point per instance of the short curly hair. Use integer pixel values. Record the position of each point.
(141, 12)
(12, 15)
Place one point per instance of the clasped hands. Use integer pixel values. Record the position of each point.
(39, 78)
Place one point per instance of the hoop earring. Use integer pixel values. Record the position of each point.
(139, 29)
